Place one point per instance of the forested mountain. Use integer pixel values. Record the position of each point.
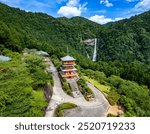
(88, 28)
(126, 40)
(122, 42)
(123, 50)
(37, 30)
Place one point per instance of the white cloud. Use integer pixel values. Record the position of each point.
(143, 5)
(82, 7)
(117, 19)
(101, 19)
(69, 11)
(106, 3)
(131, 0)
(72, 8)
(73, 3)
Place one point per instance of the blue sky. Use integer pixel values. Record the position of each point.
(100, 11)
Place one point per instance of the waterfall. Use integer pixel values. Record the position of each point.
(95, 51)
(87, 55)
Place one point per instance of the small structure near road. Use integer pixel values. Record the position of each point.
(27, 51)
(42, 53)
(68, 70)
(4, 58)
(90, 97)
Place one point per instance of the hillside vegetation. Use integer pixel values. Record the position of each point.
(21, 84)
(127, 40)
(123, 47)
(134, 98)
(123, 57)
(20, 29)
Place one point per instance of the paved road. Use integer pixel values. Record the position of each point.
(100, 104)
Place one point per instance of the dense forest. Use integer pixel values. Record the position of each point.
(123, 52)
(22, 80)
(126, 40)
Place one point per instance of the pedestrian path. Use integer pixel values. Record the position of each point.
(59, 97)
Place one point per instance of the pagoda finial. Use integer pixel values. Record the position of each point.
(67, 51)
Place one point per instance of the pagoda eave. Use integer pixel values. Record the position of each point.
(68, 70)
(65, 65)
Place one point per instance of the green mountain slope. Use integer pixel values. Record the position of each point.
(123, 50)
(119, 44)
(127, 40)
(37, 30)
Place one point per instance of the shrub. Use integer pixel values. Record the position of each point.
(60, 108)
(67, 88)
(85, 90)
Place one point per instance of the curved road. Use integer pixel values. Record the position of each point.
(99, 107)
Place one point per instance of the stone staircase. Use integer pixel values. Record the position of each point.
(75, 89)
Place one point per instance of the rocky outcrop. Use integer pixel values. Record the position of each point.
(48, 91)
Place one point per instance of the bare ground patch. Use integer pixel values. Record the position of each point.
(115, 110)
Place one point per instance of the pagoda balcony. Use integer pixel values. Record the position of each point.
(68, 70)
(68, 63)
(68, 67)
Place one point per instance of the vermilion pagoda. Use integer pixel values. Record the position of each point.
(68, 70)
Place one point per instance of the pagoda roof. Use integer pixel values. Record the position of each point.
(68, 58)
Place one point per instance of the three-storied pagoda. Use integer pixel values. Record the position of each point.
(68, 70)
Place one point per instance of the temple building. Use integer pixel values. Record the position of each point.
(68, 70)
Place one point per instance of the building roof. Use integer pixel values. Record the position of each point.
(42, 53)
(4, 58)
(68, 58)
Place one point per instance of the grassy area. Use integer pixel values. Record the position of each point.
(104, 89)
(111, 95)
(66, 87)
(60, 109)
(85, 90)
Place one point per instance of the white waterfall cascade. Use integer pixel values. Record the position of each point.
(95, 50)
(87, 55)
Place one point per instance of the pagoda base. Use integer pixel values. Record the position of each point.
(68, 75)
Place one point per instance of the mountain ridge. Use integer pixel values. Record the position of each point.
(123, 59)
(41, 31)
